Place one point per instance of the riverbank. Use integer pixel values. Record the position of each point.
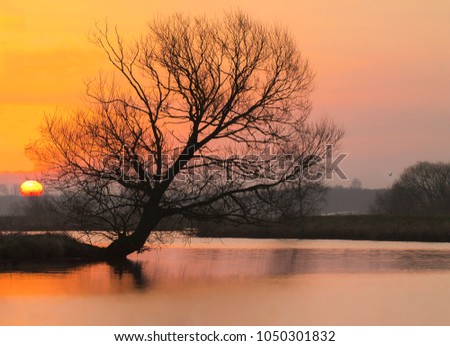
(348, 227)
(56, 246)
(44, 247)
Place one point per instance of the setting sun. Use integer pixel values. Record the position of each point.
(31, 188)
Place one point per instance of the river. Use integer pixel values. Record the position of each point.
(239, 282)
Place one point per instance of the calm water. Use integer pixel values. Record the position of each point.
(239, 282)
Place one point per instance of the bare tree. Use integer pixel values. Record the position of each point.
(201, 118)
(422, 189)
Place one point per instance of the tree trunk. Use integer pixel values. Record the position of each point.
(122, 247)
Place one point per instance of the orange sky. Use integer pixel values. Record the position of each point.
(383, 69)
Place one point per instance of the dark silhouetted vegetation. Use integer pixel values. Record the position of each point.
(422, 189)
(48, 246)
(351, 227)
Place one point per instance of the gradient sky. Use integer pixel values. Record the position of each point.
(383, 69)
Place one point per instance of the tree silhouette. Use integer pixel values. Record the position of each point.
(202, 118)
(422, 189)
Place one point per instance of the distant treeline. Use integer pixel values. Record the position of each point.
(26, 223)
(422, 189)
(354, 201)
(8, 204)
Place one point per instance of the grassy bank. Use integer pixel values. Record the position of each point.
(354, 227)
(46, 247)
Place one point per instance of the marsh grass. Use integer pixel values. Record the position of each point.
(350, 227)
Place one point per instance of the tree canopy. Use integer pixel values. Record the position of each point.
(202, 118)
(422, 189)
